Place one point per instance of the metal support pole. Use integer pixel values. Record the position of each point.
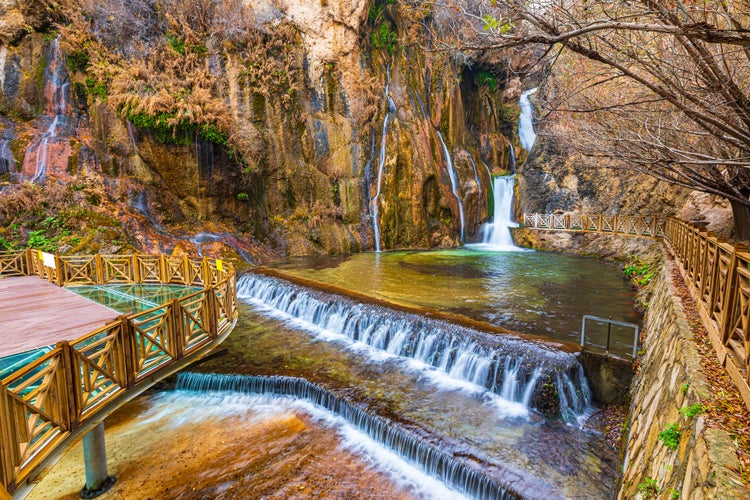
(609, 330)
(95, 461)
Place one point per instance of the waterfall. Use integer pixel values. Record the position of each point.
(512, 159)
(473, 360)
(57, 102)
(7, 161)
(496, 234)
(454, 183)
(476, 175)
(374, 210)
(459, 474)
(526, 133)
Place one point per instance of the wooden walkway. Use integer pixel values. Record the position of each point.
(35, 313)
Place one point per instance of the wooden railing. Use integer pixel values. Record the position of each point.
(718, 276)
(634, 225)
(55, 398)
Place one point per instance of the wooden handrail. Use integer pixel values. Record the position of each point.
(718, 276)
(48, 402)
(716, 272)
(631, 225)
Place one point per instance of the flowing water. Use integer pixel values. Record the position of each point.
(536, 293)
(454, 184)
(424, 418)
(526, 133)
(496, 235)
(46, 150)
(317, 396)
(374, 208)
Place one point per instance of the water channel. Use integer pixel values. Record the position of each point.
(293, 407)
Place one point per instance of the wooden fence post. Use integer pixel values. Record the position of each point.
(730, 295)
(72, 385)
(129, 350)
(7, 442)
(177, 327)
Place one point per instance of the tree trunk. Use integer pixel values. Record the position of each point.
(741, 214)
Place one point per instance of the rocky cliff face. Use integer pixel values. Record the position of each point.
(301, 159)
(272, 128)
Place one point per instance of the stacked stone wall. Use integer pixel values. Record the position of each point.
(704, 462)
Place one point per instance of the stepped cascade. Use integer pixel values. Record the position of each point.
(505, 366)
(458, 474)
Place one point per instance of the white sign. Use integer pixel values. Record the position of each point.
(48, 259)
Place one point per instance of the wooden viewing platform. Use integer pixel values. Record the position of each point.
(101, 359)
(37, 313)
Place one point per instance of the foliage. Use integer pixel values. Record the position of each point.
(78, 61)
(375, 13)
(648, 488)
(673, 494)
(385, 39)
(684, 388)
(638, 272)
(96, 88)
(487, 78)
(177, 43)
(671, 436)
(243, 197)
(693, 410)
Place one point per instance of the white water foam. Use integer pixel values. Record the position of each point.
(181, 408)
(436, 377)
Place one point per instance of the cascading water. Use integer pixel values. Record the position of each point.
(476, 176)
(435, 462)
(454, 183)
(7, 161)
(526, 133)
(374, 209)
(57, 99)
(477, 360)
(496, 234)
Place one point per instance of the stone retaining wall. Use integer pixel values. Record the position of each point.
(669, 379)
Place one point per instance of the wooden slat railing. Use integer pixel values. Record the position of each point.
(633, 225)
(717, 274)
(80, 381)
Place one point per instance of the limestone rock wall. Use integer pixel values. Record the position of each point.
(670, 379)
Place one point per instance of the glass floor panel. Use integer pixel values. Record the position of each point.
(128, 299)
(125, 299)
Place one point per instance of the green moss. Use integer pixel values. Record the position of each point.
(176, 42)
(385, 39)
(78, 61)
(96, 88)
(488, 79)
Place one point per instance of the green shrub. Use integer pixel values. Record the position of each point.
(671, 436)
(487, 78)
(243, 197)
(649, 488)
(78, 61)
(693, 410)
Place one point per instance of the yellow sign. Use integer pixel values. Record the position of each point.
(219, 265)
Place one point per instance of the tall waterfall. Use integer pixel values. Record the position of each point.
(504, 365)
(57, 103)
(454, 183)
(374, 209)
(496, 234)
(459, 474)
(526, 133)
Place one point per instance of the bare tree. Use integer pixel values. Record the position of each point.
(667, 79)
